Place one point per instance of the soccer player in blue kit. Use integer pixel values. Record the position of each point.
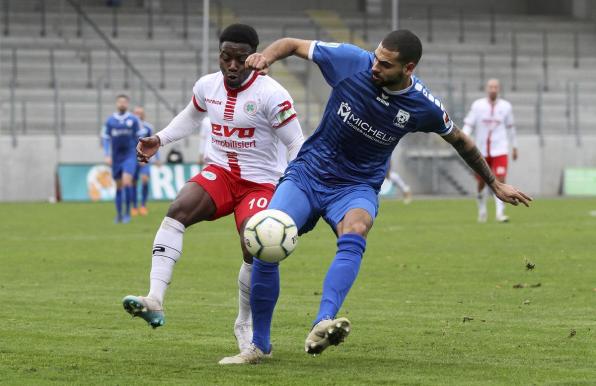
(375, 101)
(119, 143)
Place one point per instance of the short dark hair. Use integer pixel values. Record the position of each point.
(406, 43)
(123, 96)
(240, 33)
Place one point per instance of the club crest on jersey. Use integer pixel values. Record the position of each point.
(401, 118)
(129, 122)
(250, 107)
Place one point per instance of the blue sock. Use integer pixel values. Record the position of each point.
(134, 196)
(341, 274)
(128, 199)
(264, 292)
(144, 194)
(119, 202)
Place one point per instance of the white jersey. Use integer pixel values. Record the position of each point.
(493, 126)
(243, 124)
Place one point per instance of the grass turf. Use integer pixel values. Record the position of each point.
(428, 266)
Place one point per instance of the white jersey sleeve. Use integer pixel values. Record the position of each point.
(198, 94)
(510, 126)
(470, 120)
(280, 108)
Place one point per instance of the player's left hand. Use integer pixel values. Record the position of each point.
(514, 154)
(147, 147)
(257, 62)
(510, 194)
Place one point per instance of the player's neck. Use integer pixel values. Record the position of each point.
(244, 81)
(404, 84)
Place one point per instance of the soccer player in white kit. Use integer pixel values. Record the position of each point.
(251, 117)
(491, 120)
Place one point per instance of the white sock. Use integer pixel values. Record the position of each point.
(481, 199)
(167, 248)
(244, 315)
(500, 205)
(397, 180)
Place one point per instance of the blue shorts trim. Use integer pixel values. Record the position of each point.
(127, 165)
(306, 200)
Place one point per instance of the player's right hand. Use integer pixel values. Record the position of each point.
(108, 161)
(147, 147)
(257, 62)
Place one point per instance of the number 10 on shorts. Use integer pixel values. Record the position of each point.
(260, 202)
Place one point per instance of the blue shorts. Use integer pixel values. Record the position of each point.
(306, 199)
(127, 165)
(141, 170)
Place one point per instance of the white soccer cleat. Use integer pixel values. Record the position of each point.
(408, 198)
(250, 356)
(482, 217)
(325, 333)
(502, 218)
(243, 333)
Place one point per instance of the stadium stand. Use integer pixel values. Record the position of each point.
(73, 57)
(59, 76)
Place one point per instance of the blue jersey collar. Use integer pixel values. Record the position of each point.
(400, 92)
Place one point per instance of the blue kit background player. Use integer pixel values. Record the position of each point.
(375, 101)
(119, 143)
(143, 169)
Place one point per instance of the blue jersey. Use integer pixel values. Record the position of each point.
(146, 130)
(362, 122)
(120, 130)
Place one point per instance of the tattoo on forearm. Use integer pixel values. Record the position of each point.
(475, 160)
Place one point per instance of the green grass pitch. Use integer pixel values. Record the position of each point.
(428, 266)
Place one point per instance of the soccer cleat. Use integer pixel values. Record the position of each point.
(117, 219)
(243, 333)
(145, 307)
(249, 356)
(502, 218)
(134, 212)
(482, 217)
(143, 211)
(126, 219)
(408, 197)
(325, 333)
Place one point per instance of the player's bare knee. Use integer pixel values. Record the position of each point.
(177, 212)
(358, 227)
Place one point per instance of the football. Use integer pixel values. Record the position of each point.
(271, 235)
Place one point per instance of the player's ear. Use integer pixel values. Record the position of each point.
(409, 68)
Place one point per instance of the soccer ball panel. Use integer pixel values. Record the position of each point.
(270, 235)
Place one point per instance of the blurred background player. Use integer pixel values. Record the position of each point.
(143, 169)
(119, 143)
(394, 177)
(491, 120)
(254, 128)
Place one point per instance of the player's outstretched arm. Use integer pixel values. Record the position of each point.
(469, 152)
(279, 49)
(181, 126)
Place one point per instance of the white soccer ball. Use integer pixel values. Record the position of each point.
(270, 235)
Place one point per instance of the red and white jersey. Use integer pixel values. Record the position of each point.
(243, 124)
(493, 126)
